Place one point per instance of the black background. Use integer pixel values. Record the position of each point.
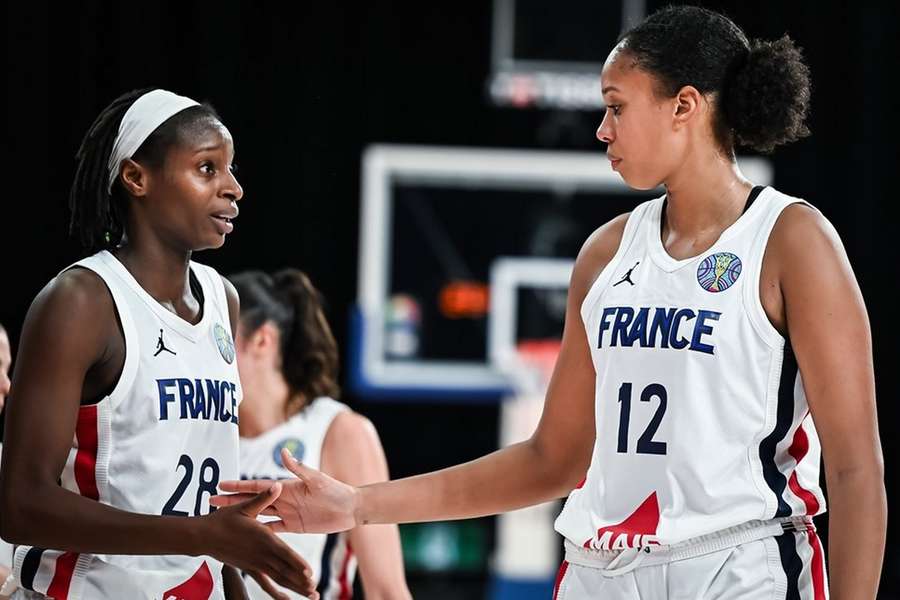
(304, 86)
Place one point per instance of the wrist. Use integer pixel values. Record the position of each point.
(194, 535)
(360, 513)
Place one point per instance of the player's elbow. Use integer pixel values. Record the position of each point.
(17, 510)
(12, 517)
(563, 466)
(855, 473)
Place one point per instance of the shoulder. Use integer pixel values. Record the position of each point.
(803, 234)
(596, 253)
(73, 313)
(352, 451)
(806, 260)
(74, 293)
(349, 428)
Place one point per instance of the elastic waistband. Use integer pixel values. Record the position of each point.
(618, 562)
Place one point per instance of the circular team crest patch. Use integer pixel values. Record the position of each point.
(293, 445)
(224, 343)
(719, 271)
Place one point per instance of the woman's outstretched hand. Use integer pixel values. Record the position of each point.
(312, 503)
(236, 537)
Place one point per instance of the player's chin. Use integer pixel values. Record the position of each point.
(639, 182)
(210, 241)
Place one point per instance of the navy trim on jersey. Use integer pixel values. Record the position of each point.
(325, 571)
(754, 194)
(30, 565)
(791, 563)
(785, 416)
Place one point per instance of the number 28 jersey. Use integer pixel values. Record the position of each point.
(158, 444)
(701, 418)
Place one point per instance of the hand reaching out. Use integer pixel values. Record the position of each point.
(312, 503)
(234, 536)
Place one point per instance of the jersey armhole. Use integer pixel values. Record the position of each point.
(628, 235)
(751, 295)
(129, 331)
(218, 299)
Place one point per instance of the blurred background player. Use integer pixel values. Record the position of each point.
(124, 416)
(288, 362)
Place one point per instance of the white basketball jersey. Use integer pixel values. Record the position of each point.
(330, 556)
(701, 418)
(158, 444)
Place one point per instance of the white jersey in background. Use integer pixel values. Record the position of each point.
(702, 422)
(158, 444)
(330, 556)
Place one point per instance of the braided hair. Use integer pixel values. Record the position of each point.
(98, 213)
(309, 354)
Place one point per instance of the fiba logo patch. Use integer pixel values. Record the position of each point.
(224, 343)
(719, 271)
(293, 445)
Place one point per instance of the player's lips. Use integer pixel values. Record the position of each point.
(613, 159)
(223, 221)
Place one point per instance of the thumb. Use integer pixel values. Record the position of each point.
(295, 467)
(255, 505)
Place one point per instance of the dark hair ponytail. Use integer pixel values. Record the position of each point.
(761, 89)
(309, 355)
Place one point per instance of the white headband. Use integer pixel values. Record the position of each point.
(141, 119)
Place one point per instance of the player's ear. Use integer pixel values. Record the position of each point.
(267, 337)
(134, 178)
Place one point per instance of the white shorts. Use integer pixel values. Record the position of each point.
(783, 565)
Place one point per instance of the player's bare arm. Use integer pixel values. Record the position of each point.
(811, 295)
(544, 467)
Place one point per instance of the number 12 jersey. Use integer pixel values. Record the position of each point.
(701, 418)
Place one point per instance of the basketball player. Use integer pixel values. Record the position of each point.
(288, 361)
(126, 391)
(708, 331)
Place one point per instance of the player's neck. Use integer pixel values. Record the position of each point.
(262, 407)
(705, 196)
(161, 271)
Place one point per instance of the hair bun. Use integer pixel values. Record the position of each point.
(767, 100)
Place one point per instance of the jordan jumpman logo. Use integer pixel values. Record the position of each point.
(161, 345)
(627, 276)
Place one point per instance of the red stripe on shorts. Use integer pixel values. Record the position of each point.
(559, 577)
(817, 568)
(344, 578)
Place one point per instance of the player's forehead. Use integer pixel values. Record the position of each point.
(621, 76)
(207, 136)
